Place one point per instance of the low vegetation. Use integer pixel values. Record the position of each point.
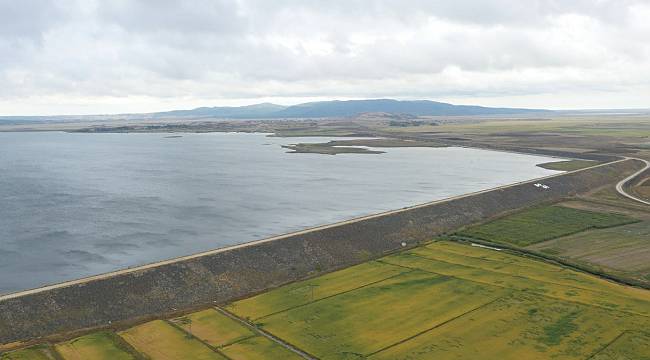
(458, 301)
(160, 340)
(304, 292)
(258, 347)
(543, 223)
(96, 346)
(39, 352)
(213, 328)
(569, 165)
(325, 149)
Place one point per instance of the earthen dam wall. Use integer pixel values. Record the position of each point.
(226, 274)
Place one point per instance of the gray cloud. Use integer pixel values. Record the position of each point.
(165, 16)
(28, 19)
(115, 56)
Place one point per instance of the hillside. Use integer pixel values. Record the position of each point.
(418, 108)
(346, 108)
(320, 109)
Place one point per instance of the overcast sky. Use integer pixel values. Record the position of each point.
(116, 56)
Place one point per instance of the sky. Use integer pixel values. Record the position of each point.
(123, 56)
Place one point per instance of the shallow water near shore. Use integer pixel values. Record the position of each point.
(74, 205)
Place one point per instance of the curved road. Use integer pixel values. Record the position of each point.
(619, 186)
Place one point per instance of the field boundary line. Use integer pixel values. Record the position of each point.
(225, 345)
(287, 235)
(435, 327)
(490, 260)
(608, 344)
(261, 332)
(334, 295)
(627, 331)
(56, 354)
(613, 203)
(505, 273)
(187, 333)
(558, 261)
(599, 292)
(119, 341)
(588, 228)
(532, 292)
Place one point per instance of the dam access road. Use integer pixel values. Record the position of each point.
(621, 184)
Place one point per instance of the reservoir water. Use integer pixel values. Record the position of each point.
(74, 205)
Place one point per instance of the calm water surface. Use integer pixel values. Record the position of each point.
(73, 205)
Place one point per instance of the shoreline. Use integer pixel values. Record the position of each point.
(155, 264)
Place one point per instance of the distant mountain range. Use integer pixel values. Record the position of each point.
(249, 111)
(320, 109)
(346, 108)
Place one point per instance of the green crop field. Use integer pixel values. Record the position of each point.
(303, 292)
(543, 223)
(39, 352)
(99, 346)
(444, 300)
(356, 322)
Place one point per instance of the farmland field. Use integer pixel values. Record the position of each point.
(40, 352)
(601, 232)
(461, 302)
(624, 249)
(630, 345)
(258, 347)
(536, 326)
(543, 223)
(443, 300)
(303, 292)
(213, 327)
(356, 322)
(160, 340)
(99, 346)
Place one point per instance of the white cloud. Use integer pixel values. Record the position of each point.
(82, 56)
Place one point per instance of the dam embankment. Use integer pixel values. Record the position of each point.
(226, 274)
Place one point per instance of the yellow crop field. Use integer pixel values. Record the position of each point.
(303, 292)
(161, 341)
(635, 304)
(96, 346)
(520, 266)
(258, 347)
(630, 345)
(462, 302)
(444, 300)
(519, 327)
(213, 328)
(356, 322)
